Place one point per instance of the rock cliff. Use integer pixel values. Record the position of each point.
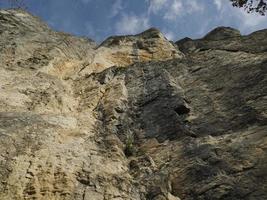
(134, 118)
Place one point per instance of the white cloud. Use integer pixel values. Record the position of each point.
(218, 4)
(173, 9)
(169, 35)
(85, 1)
(176, 8)
(194, 6)
(131, 24)
(156, 5)
(116, 8)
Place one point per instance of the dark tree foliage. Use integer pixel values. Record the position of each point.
(259, 6)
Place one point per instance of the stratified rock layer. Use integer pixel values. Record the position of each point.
(135, 118)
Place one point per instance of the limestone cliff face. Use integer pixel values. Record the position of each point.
(134, 118)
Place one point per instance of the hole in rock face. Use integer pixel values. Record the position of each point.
(182, 110)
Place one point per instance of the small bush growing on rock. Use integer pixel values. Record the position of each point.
(129, 145)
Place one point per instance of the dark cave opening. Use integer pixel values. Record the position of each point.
(182, 110)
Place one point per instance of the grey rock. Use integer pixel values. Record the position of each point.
(227, 40)
(220, 33)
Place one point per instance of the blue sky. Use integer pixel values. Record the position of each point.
(98, 19)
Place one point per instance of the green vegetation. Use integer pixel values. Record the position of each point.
(129, 145)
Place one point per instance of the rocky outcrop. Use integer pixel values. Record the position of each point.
(228, 39)
(134, 118)
(125, 50)
(221, 33)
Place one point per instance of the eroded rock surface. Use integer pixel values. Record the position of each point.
(134, 118)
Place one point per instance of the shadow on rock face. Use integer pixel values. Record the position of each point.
(160, 103)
